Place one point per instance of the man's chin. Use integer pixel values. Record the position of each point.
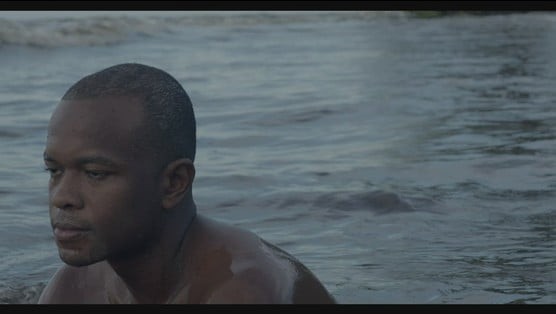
(76, 258)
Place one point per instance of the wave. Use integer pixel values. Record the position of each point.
(378, 202)
(109, 28)
(75, 31)
(18, 293)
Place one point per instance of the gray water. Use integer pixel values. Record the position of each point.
(403, 160)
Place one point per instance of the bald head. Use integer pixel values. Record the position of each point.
(169, 127)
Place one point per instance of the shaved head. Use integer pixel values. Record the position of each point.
(169, 128)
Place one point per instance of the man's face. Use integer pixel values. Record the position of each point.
(104, 196)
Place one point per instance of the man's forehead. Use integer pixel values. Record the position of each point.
(104, 126)
(107, 121)
(126, 110)
(112, 102)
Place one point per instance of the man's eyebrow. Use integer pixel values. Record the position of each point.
(47, 158)
(88, 160)
(96, 160)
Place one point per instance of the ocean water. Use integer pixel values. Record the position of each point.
(403, 160)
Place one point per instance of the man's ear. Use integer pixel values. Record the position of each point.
(177, 180)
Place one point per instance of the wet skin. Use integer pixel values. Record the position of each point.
(127, 229)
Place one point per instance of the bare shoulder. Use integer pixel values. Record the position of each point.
(252, 270)
(74, 285)
(307, 288)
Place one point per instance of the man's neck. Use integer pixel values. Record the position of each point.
(155, 274)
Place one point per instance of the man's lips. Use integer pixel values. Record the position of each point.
(65, 232)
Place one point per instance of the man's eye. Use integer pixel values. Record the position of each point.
(53, 171)
(96, 175)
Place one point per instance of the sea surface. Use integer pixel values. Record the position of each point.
(404, 160)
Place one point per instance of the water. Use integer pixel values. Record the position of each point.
(403, 160)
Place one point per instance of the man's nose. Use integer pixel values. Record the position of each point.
(65, 192)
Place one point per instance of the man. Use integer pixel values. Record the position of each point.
(120, 152)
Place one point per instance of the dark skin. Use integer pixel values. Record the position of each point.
(127, 228)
